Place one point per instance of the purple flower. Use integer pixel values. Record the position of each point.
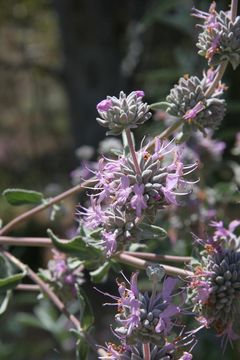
(104, 105)
(186, 356)
(138, 202)
(140, 93)
(124, 190)
(215, 284)
(93, 215)
(165, 323)
(210, 18)
(109, 242)
(192, 113)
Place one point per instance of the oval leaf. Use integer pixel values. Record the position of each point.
(11, 281)
(22, 196)
(153, 230)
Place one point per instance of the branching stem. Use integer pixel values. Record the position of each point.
(28, 214)
(138, 263)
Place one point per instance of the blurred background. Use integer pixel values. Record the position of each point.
(57, 60)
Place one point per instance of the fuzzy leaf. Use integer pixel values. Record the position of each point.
(79, 248)
(22, 196)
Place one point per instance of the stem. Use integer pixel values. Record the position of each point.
(53, 297)
(233, 11)
(146, 351)
(156, 257)
(218, 77)
(25, 241)
(27, 287)
(37, 209)
(133, 152)
(125, 258)
(165, 134)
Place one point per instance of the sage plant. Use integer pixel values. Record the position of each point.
(131, 194)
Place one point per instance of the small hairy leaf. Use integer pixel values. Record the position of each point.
(159, 106)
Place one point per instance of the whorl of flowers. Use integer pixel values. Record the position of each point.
(125, 112)
(168, 351)
(187, 101)
(122, 198)
(215, 285)
(144, 318)
(220, 39)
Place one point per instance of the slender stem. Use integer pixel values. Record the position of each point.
(218, 77)
(146, 351)
(28, 214)
(156, 257)
(53, 297)
(28, 287)
(233, 12)
(25, 241)
(133, 152)
(143, 264)
(165, 134)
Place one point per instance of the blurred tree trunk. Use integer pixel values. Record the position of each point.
(93, 39)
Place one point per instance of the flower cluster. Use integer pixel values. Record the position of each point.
(65, 274)
(144, 319)
(168, 351)
(220, 39)
(215, 285)
(125, 112)
(187, 101)
(122, 198)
